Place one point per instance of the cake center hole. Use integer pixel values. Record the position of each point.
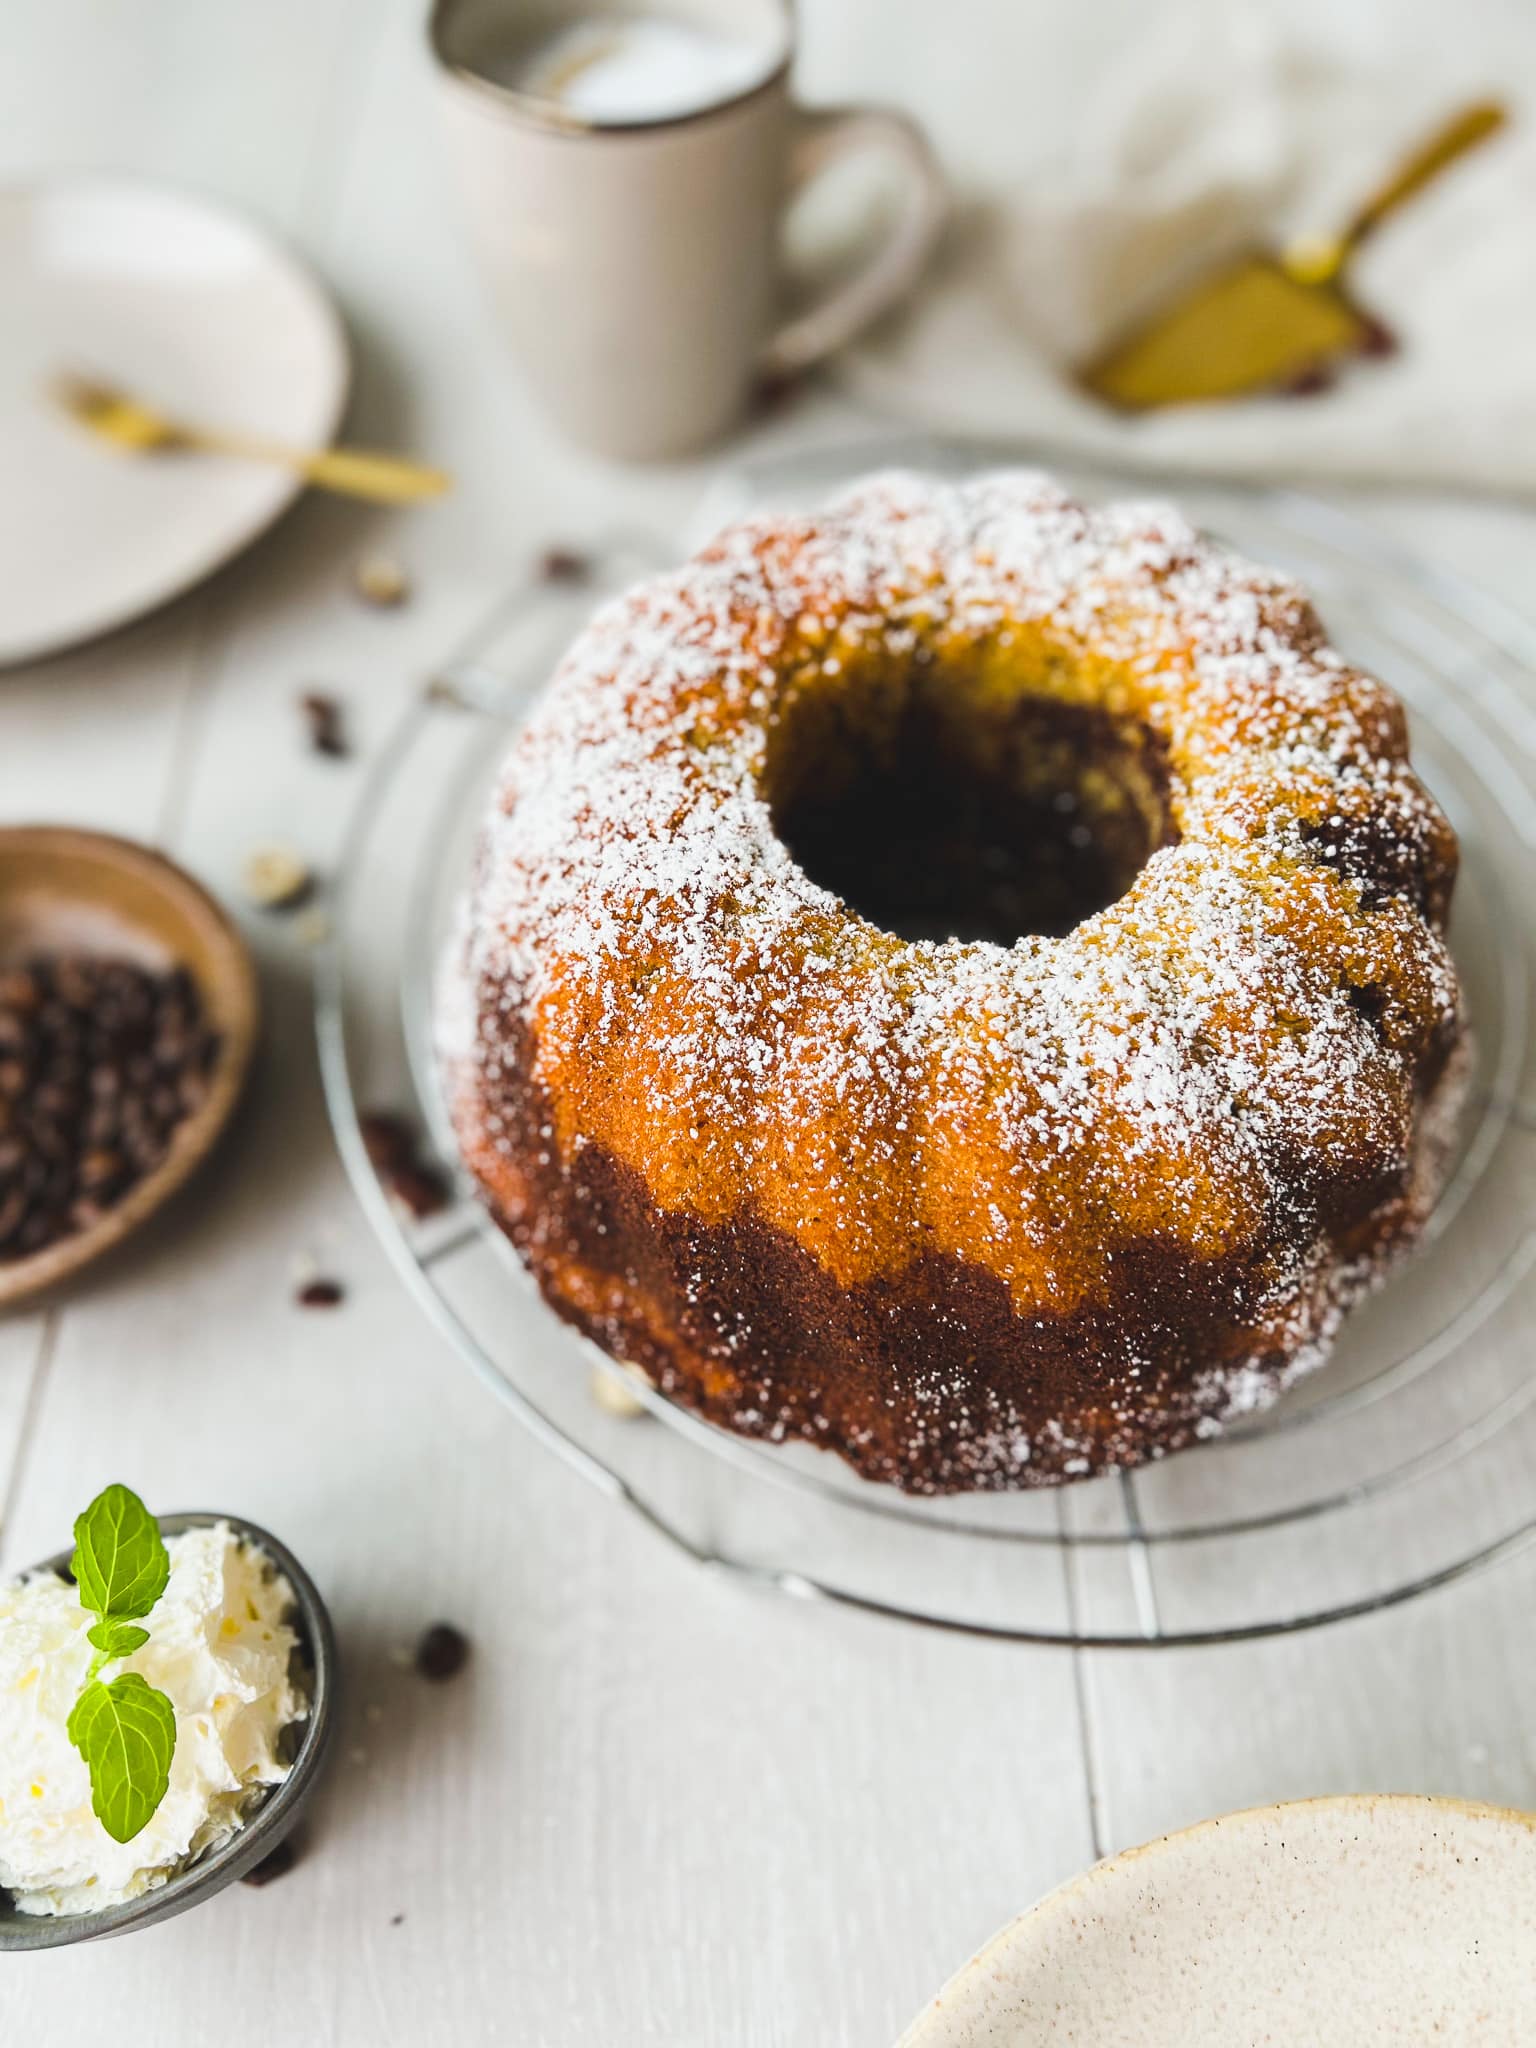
(1024, 823)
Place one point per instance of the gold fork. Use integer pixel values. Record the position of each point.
(138, 429)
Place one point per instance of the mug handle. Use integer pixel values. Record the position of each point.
(894, 265)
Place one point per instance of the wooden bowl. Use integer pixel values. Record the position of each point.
(67, 891)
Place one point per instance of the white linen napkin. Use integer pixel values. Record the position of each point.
(1102, 151)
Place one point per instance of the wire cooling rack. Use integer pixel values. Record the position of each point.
(1403, 1466)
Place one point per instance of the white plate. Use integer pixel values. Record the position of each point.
(1338, 1923)
(192, 308)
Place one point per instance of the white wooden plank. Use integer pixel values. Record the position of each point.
(26, 1340)
(238, 102)
(1428, 1698)
(91, 737)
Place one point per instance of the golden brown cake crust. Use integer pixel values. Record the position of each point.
(972, 1215)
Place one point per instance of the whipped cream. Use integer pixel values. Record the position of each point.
(219, 1649)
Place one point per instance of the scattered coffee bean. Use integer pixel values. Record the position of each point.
(775, 390)
(278, 1864)
(442, 1652)
(387, 1139)
(420, 1190)
(276, 879)
(565, 565)
(104, 1059)
(321, 1294)
(393, 1151)
(1310, 382)
(323, 716)
(380, 580)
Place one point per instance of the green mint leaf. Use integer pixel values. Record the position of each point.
(126, 1731)
(120, 1562)
(117, 1638)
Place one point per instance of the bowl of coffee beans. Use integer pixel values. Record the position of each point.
(128, 1012)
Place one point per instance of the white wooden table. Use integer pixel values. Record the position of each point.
(656, 1809)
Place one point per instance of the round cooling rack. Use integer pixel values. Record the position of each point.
(1402, 1466)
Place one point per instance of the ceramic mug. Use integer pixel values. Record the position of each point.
(636, 264)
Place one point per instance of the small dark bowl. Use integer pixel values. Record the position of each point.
(267, 1822)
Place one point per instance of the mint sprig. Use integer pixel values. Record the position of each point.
(125, 1730)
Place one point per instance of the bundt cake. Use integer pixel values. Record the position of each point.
(958, 979)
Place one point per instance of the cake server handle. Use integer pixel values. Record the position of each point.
(1320, 259)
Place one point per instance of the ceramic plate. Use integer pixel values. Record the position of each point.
(193, 309)
(1340, 1923)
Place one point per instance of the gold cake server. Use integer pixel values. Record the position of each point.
(1270, 316)
(136, 428)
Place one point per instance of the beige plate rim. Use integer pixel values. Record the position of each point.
(229, 986)
(939, 2012)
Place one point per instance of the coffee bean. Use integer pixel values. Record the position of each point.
(322, 715)
(100, 1060)
(387, 1139)
(49, 1141)
(417, 1185)
(442, 1652)
(321, 1294)
(420, 1190)
(776, 389)
(565, 565)
(99, 1169)
(20, 991)
(150, 1150)
(101, 1125)
(55, 1101)
(75, 983)
(1309, 382)
(278, 1864)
